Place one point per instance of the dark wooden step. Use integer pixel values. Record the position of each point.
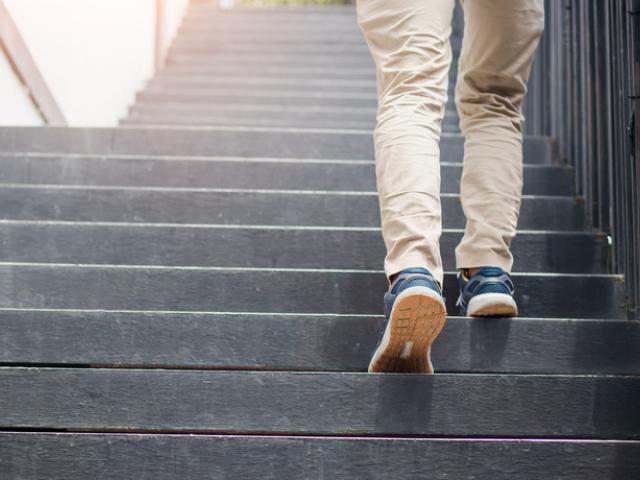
(79, 456)
(263, 45)
(218, 289)
(266, 18)
(274, 59)
(275, 115)
(262, 119)
(292, 97)
(291, 71)
(297, 23)
(309, 342)
(254, 207)
(320, 403)
(245, 96)
(212, 85)
(277, 247)
(221, 141)
(172, 82)
(226, 35)
(238, 173)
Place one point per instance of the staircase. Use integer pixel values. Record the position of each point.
(197, 295)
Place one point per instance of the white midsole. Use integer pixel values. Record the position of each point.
(484, 300)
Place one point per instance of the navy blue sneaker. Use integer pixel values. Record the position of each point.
(488, 293)
(415, 312)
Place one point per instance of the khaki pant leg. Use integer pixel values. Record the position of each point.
(409, 42)
(500, 39)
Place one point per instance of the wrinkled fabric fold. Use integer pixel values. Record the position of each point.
(409, 41)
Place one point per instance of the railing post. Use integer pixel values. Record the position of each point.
(23, 64)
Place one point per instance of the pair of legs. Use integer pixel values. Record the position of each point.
(409, 42)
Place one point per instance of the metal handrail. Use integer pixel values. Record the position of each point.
(15, 49)
(584, 92)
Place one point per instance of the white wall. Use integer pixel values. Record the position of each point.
(93, 54)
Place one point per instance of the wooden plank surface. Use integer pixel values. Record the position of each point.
(252, 246)
(261, 207)
(320, 403)
(243, 142)
(310, 342)
(72, 456)
(114, 287)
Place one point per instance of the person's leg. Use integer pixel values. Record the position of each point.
(409, 42)
(500, 39)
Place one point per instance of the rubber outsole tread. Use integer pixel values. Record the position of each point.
(416, 318)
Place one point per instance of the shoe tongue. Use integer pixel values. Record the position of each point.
(491, 271)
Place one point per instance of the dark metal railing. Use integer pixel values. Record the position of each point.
(584, 92)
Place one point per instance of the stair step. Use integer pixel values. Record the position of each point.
(228, 141)
(267, 247)
(259, 98)
(276, 115)
(245, 97)
(212, 85)
(286, 70)
(221, 35)
(300, 60)
(310, 342)
(344, 24)
(244, 206)
(292, 19)
(40, 455)
(320, 403)
(270, 290)
(357, 175)
(172, 82)
(260, 119)
(186, 46)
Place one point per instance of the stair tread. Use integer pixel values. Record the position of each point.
(277, 290)
(321, 402)
(260, 142)
(238, 173)
(247, 206)
(236, 457)
(309, 342)
(267, 246)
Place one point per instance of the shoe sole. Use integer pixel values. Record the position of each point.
(492, 305)
(417, 318)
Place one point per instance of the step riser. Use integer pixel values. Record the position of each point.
(307, 342)
(310, 121)
(300, 60)
(268, 248)
(308, 403)
(175, 85)
(273, 291)
(344, 73)
(290, 98)
(237, 174)
(167, 457)
(168, 82)
(248, 97)
(207, 46)
(312, 458)
(264, 44)
(302, 115)
(249, 208)
(240, 142)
